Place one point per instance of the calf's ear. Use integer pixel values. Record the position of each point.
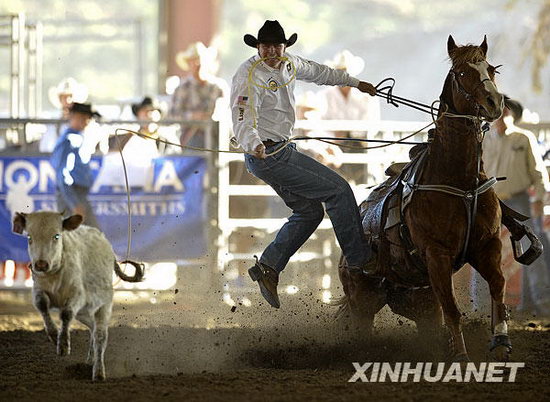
(19, 222)
(72, 222)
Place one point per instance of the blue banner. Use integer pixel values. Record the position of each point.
(168, 207)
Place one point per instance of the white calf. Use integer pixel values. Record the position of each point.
(72, 267)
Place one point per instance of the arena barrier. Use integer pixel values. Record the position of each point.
(233, 233)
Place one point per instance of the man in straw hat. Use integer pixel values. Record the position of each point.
(196, 96)
(70, 160)
(512, 152)
(262, 105)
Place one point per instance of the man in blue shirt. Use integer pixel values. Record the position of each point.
(70, 160)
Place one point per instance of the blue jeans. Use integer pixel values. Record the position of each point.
(304, 184)
(65, 206)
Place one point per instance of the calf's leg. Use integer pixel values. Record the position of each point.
(41, 302)
(102, 317)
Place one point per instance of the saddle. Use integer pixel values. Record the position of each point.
(384, 202)
(383, 210)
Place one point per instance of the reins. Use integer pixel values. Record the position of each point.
(388, 95)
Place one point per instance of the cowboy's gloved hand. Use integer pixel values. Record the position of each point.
(367, 87)
(259, 151)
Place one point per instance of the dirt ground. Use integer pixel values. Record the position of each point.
(179, 350)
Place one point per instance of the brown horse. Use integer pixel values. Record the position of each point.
(439, 229)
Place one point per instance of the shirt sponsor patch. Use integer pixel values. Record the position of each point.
(241, 114)
(242, 100)
(288, 67)
(273, 85)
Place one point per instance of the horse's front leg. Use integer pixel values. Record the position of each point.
(364, 297)
(487, 263)
(440, 271)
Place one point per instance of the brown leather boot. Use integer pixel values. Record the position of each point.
(268, 279)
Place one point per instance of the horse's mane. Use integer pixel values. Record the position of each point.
(466, 54)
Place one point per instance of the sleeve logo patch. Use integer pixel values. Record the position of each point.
(241, 113)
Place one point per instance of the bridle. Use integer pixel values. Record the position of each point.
(470, 197)
(468, 95)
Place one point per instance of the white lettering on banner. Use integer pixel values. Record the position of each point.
(29, 182)
(47, 173)
(47, 206)
(168, 177)
(151, 208)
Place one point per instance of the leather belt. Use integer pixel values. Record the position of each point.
(270, 143)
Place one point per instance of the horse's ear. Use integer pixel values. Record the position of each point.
(483, 45)
(451, 45)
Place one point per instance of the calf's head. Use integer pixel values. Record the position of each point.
(44, 233)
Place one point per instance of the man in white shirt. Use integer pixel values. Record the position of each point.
(509, 151)
(262, 106)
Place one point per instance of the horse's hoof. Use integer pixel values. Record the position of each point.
(501, 347)
(501, 353)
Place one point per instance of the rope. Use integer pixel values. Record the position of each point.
(389, 96)
(271, 88)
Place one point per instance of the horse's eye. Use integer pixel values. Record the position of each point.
(56, 236)
(461, 74)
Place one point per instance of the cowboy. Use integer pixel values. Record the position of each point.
(70, 160)
(147, 113)
(341, 103)
(262, 105)
(61, 97)
(198, 94)
(512, 152)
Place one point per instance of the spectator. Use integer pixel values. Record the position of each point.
(61, 97)
(199, 93)
(511, 152)
(341, 103)
(70, 160)
(146, 113)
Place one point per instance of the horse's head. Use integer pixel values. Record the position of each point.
(471, 82)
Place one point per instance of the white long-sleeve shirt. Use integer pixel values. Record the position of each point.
(261, 114)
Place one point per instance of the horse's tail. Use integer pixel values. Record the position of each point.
(343, 305)
(138, 274)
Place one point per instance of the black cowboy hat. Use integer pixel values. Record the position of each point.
(84, 108)
(516, 108)
(147, 101)
(270, 32)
